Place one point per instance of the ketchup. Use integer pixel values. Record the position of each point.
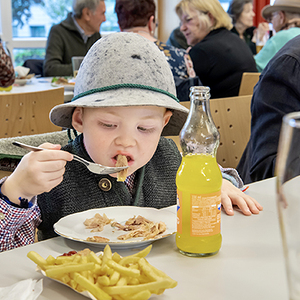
(70, 253)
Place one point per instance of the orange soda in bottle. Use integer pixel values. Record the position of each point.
(199, 181)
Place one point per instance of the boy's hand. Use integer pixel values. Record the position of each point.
(231, 195)
(37, 172)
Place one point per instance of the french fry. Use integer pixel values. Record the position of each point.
(123, 270)
(92, 257)
(50, 260)
(147, 270)
(143, 295)
(92, 288)
(114, 278)
(116, 257)
(60, 260)
(62, 269)
(122, 281)
(129, 260)
(107, 276)
(103, 280)
(132, 289)
(36, 258)
(155, 274)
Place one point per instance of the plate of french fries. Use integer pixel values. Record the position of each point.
(114, 231)
(106, 275)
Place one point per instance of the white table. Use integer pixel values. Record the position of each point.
(250, 264)
(39, 84)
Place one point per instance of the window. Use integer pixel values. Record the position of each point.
(37, 31)
(225, 4)
(25, 24)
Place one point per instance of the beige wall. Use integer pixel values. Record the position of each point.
(167, 18)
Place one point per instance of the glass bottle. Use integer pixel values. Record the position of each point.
(199, 181)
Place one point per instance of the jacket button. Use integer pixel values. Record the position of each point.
(105, 185)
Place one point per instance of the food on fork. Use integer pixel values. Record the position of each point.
(97, 223)
(140, 227)
(107, 276)
(122, 162)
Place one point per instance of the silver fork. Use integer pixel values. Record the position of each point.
(94, 168)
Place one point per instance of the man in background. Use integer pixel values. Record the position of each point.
(73, 36)
(285, 18)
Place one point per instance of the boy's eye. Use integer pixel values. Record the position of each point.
(143, 129)
(107, 125)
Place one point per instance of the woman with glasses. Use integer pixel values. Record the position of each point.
(242, 14)
(285, 18)
(219, 56)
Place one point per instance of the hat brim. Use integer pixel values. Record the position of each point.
(269, 9)
(61, 115)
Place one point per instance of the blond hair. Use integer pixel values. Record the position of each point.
(204, 7)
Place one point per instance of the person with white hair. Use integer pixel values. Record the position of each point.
(285, 18)
(73, 36)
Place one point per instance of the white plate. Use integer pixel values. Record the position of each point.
(21, 82)
(72, 226)
(67, 87)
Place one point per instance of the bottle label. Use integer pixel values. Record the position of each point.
(179, 212)
(205, 214)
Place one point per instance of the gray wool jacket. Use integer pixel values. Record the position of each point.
(155, 186)
(82, 190)
(65, 41)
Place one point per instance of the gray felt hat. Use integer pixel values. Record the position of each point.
(292, 6)
(123, 69)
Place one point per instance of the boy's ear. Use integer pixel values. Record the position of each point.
(77, 119)
(167, 117)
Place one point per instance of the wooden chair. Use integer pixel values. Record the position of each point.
(28, 113)
(232, 117)
(248, 82)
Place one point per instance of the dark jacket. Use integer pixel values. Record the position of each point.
(276, 94)
(248, 35)
(65, 41)
(80, 190)
(219, 60)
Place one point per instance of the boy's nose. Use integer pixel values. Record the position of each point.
(125, 140)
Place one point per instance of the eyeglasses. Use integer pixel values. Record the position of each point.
(273, 15)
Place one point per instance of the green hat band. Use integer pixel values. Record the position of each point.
(124, 85)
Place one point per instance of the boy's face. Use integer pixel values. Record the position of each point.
(132, 131)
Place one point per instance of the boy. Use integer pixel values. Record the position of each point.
(124, 101)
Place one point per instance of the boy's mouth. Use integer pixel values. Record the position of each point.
(129, 159)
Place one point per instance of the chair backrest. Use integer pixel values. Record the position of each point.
(232, 117)
(28, 113)
(248, 82)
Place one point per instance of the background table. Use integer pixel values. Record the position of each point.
(250, 264)
(39, 84)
